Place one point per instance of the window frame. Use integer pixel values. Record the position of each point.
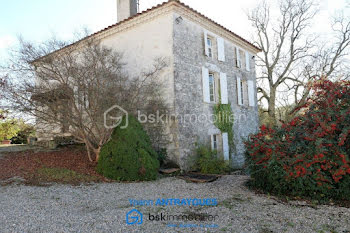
(242, 92)
(214, 138)
(216, 142)
(210, 46)
(212, 88)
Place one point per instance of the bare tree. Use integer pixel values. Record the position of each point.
(328, 62)
(291, 58)
(283, 44)
(68, 91)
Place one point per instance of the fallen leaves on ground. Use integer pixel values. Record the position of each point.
(65, 165)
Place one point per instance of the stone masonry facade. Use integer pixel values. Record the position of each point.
(189, 58)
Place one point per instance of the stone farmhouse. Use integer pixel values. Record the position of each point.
(208, 64)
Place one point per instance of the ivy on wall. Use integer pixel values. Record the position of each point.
(224, 122)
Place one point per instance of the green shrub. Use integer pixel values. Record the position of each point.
(8, 129)
(25, 131)
(209, 162)
(162, 156)
(310, 155)
(129, 155)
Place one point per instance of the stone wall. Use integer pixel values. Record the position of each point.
(189, 58)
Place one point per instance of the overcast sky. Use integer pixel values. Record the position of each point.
(37, 20)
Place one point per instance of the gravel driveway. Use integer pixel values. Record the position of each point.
(103, 208)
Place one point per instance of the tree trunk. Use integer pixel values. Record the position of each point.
(272, 108)
(88, 150)
(97, 153)
(89, 153)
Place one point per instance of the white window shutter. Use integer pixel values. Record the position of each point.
(238, 57)
(247, 61)
(223, 88)
(205, 83)
(206, 50)
(251, 93)
(221, 49)
(239, 91)
(225, 145)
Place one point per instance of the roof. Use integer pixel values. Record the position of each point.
(151, 9)
(226, 29)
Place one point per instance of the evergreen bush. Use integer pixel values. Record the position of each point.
(129, 155)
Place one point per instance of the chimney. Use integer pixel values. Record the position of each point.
(126, 9)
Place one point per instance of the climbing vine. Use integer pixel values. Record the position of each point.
(224, 122)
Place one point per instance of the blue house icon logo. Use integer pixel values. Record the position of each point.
(134, 217)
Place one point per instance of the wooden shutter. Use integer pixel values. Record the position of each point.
(223, 88)
(205, 84)
(221, 49)
(251, 93)
(247, 61)
(225, 145)
(206, 50)
(239, 91)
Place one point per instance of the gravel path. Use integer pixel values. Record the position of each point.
(103, 207)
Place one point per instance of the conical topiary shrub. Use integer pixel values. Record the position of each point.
(129, 155)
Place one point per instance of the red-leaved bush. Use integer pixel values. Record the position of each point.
(308, 156)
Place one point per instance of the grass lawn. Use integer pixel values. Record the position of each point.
(63, 175)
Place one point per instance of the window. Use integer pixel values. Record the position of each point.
(212, 87)
(219, 143)
(245, 92)
(210, 47)
(214, 46)
(240, 91)
(215, 142)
